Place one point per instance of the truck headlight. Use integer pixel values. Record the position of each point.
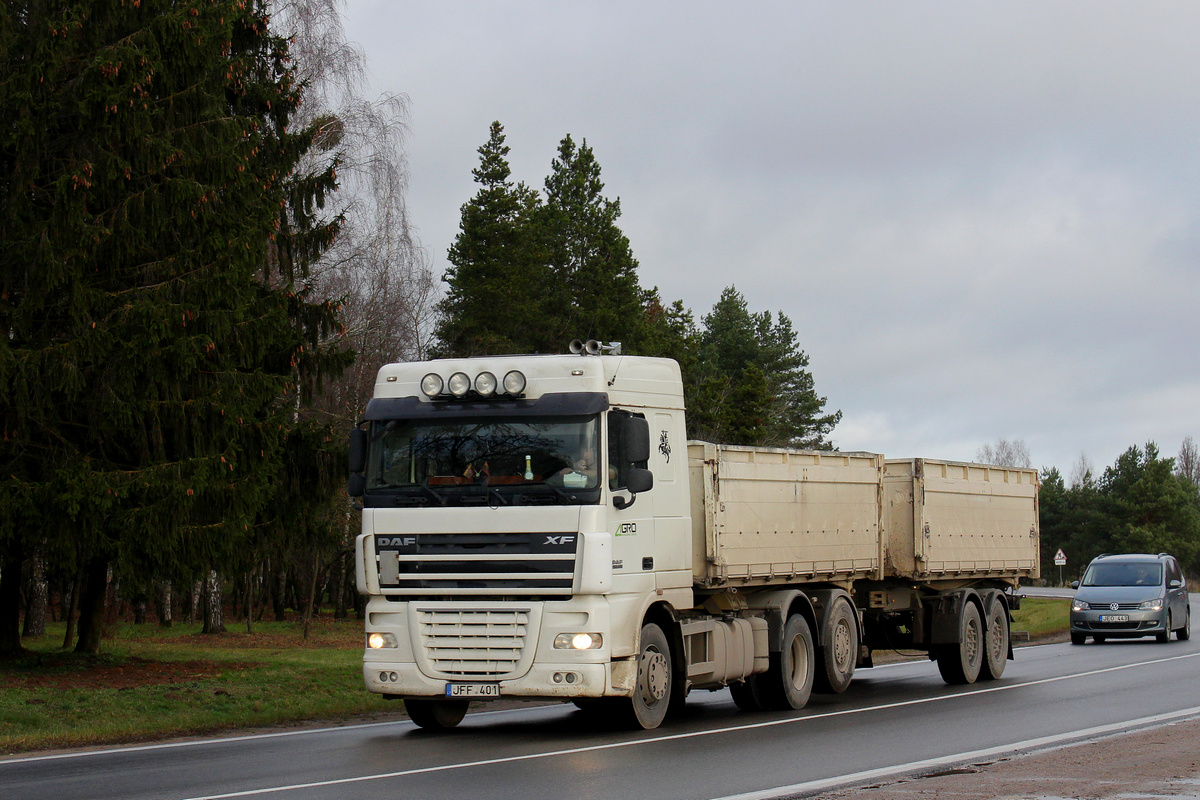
(378, 641)
(578, 641)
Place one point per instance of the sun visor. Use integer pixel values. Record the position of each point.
(560, 404)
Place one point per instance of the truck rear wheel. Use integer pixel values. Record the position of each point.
(840, 651)
(961, 662)
(996, 653)
(652, 692)
(436, 715)
(788, 682)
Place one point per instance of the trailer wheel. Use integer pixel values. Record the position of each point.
(436, 715)
(839, 652)
(788, 682)
(961, 662)
(995, 655)
(652, 693)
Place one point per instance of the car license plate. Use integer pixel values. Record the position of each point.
(472, 690)
(1114, 618)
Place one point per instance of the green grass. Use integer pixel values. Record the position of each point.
(1042, 616)
(150, 682)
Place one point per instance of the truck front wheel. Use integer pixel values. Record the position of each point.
(436, 715)
(652, 693)
(961, 662)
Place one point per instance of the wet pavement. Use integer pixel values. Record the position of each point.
(1160, 762)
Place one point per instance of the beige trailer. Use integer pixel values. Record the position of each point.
(880, 554)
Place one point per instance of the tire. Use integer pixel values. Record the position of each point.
(960, 663)
(652, 691)
(743, 694)
(1185, 633)
(995, 651)
(839, 654)
(787, 683)
(1165, 636)
(1078, 638)
(436, 715)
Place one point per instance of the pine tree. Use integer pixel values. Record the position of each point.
(497, 298)
(143, 176)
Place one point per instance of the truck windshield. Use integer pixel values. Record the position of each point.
(1127, 574)
(492, 460)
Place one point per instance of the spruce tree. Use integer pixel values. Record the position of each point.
(751, 384)
(593, 268)
(497, 298)
(144, 171)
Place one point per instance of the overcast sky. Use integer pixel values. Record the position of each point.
(983, 219)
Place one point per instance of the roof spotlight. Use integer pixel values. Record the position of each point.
(514, 382)
(432, 385)
(459, 384)
(485, 384)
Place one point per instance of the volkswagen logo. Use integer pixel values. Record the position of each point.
(1113, 606)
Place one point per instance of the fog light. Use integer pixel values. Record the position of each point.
(378, 641)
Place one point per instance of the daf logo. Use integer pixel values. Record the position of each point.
(398, 541)
(556, 540)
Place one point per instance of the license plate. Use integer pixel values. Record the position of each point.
(472, 690)
(1114, 618)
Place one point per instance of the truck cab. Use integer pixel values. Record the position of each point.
(518, 512)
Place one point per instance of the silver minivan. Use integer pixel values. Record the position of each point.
(1131, 595)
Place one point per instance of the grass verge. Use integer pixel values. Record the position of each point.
(151, 682)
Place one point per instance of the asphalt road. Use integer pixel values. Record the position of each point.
(894, 718)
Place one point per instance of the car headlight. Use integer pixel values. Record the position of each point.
(1079, 605)
(378, 641)
(578, 641)
(1152, 605)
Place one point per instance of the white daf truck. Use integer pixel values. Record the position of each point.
(540, 527)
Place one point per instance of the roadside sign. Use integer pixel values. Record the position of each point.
(1060, 558)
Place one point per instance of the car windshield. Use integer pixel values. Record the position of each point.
(498, 459)
(1124, 574)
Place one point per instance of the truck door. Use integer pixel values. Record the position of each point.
(633, 511)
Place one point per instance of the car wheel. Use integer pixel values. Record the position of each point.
(1078, 638)
(1185, 633)
(1164, 636)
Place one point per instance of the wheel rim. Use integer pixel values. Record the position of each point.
(842, 640)
(655, 675)
(799, 672)
(971, 637)
(996, 638)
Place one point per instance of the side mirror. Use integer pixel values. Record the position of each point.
(356, 484)
(638, 480)
(635, 440)
(1074, 584)
(358, 450)
(1176, 583)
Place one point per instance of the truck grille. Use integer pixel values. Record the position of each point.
(476, 644)
(477, 563)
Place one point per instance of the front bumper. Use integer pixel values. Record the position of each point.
(564, 681)
(1137, 623)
